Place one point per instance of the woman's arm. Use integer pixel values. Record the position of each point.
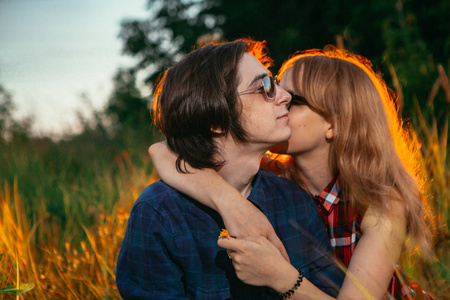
(257, 262)
(371, 268)
(376, 254)
(240, 216)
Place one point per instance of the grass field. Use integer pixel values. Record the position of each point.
(64, 208)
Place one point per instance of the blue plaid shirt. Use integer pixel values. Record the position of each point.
(170, 247)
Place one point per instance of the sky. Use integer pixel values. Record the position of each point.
(58, 57)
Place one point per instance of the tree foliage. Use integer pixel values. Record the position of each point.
(6, 108)
(127, 108)
(404, 39)
(9, 127)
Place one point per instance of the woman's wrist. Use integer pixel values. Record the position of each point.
(286, 280)
(294, 288)
(224, 202)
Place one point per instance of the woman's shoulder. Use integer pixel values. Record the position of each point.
(387, 220)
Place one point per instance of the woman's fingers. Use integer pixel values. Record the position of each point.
(246, 243)
(248, 220)
(253, 258)
(230, 243)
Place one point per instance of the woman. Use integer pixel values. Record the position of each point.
(345, 151)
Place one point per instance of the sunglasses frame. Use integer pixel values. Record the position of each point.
(297, 99)
(273, 82)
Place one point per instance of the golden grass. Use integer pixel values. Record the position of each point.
(434, 276)
(86, 269)
(82, 271)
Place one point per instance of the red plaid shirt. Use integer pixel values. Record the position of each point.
(344, 228)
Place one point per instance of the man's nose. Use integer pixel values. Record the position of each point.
(283, 97)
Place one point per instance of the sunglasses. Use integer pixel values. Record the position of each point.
(297, 100)
(268, 85)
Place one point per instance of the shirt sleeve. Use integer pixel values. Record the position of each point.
(144, 267)
(324, 270)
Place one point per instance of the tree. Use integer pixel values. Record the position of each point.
(128, 115)
(127, 108)
(9, 127)
(174, 29)
(6, 107)
(404, 39)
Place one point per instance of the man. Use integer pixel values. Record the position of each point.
(218, 108)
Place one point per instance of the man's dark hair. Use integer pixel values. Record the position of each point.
(197, 100)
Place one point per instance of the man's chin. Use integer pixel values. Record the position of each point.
(280, 148)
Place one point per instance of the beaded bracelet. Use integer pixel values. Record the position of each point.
(295, 287)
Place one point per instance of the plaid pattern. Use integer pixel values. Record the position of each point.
(344, 229)
(343, 232)
(170, 247)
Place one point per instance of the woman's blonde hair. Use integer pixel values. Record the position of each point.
(373, 152)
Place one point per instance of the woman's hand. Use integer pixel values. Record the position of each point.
(258, 262)
(242, 218)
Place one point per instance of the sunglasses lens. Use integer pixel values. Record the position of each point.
(297, 100)
(269, 87)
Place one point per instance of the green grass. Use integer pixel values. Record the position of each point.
(65, 206)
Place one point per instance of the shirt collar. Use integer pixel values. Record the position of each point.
(257, 196)
(330, 196)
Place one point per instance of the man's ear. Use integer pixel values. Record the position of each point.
(217, 131)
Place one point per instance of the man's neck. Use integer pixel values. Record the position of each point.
(241, 165)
